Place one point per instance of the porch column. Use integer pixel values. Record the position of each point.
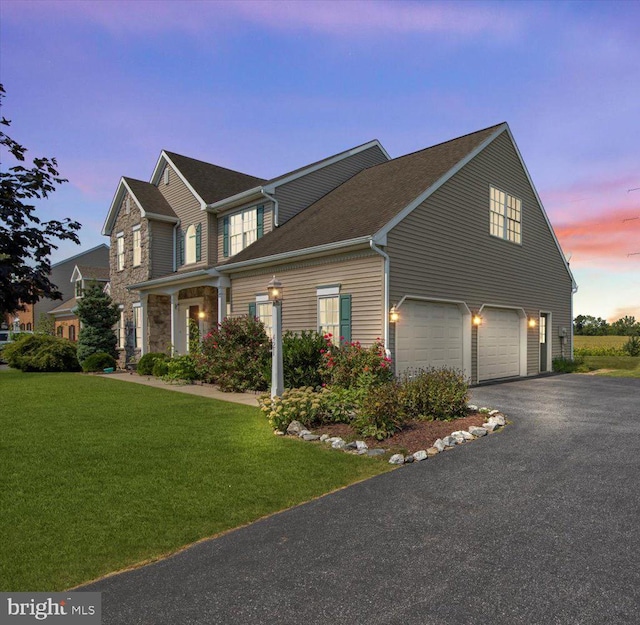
(223, 284)
(174, 322)
(145, 327)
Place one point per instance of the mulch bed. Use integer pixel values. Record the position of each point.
(414, 436)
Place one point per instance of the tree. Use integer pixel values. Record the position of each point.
(626, 326)
(97, 314)
(46, 324)
(26, 242)
(590, 326)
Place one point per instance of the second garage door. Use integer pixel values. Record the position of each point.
(429, 334)
(499, 344)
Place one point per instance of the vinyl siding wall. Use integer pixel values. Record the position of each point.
(297, 195)
(188, 209)
(268, 223)
(161, 245)
(359, 274)
(443, 249)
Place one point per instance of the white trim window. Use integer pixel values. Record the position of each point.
(243, 230)
(137, 326)
(505, 216)
(137, 246)
(264, 312)
(190, 245)
(122, 325)
(120, 251)
(329, 316)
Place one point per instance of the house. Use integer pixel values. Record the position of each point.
(60, 275)
(452, 239)
(66, 322)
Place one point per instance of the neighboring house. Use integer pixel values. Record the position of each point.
(66, 322)
(60, 276)
(454, 238)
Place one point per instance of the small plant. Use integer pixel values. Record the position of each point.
(632, 346)
(182, 368)
(41, 352)
(566, 365)
(343, 364)
(381, 413)
(147, 362)
(440, 394)
(300, 404)
(98, 362)
(302, 358)
(342, 404)
(160, 368)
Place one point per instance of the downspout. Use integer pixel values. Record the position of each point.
(275, 206)
(385, 317)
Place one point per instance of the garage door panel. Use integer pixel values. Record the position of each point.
(499, 344)
(429, 334)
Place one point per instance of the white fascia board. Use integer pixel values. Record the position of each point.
(544, 212)
(235, 200)
(107, 228)
(76, 275)
(438, 183)
(156, 217)
(175, 279)
(155, 177)
(284, 256)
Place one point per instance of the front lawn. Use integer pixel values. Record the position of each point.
(98, 474)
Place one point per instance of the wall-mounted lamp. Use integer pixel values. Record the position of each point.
(532, 322)
(274, 289)
(201, 315)
(394, 315)
(477, 320)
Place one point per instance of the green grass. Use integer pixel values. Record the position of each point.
(622, 373)
(599, 342)
(98, 474)
(611, 362)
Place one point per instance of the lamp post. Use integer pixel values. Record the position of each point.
(274, 289)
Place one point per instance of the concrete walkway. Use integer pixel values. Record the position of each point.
(202, 390)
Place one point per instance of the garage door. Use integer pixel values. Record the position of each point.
(428, 334)
(498, 344)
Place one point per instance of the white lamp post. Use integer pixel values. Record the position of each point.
(274, 289)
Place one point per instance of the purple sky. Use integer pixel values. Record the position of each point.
(265, 87)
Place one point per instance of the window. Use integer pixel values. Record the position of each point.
(166, 175)
(120, 251)
(242, 229)
(127, 205)
(334, 313)
(505, 214)
(79, 288)
(190, 245)
(121, 330)
(72, 333)
(264, 312)
(137, 327)
(59, 331)
(137, 249)
(29, 327)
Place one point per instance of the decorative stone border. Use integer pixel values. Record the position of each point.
(494, 421)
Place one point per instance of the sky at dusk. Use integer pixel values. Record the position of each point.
(266, 87)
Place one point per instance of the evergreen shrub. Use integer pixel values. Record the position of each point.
(148, 361)
(41, 352)
(98, 362)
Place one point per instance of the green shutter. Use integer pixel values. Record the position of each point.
(345, 317)
(198, 242)
(180, 247)
(260, 220)
(225, 235)
(252, 309)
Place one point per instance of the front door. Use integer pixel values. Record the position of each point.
(544, 342)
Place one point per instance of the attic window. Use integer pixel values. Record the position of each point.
(127, 205)
(166, 175)
(505, 216)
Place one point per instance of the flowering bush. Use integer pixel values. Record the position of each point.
(300, 404)
(381, 413)
(236, 355)
(343, 364)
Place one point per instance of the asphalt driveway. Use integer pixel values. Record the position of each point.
(539, 523)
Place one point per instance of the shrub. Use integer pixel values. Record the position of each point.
(342, 404)
(382, 412)
(566, 365)
(440, 394)
(147, 362)
(160, 368)
(98, 362)
(342, 365)
(632, 346)
(301, 404)
(302, 358)
(41, 352)
(98, 315)
(236, 355)
(182, 368)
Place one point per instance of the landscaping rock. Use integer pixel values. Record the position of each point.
(408, 459)
(376, 451)
(396, 459)
(489, 426)
(339, 444)
(278, 432)
(472, 408)
(351, 445)
(361, 445)
(439, 445)
(302, 433)
(498, 419)
(476, 431)
(462, 434)
(324, 438)
(294, 427)
(458, 437)
(310, 437)
(449, 441)
(492, 412)
(421, 455)
(432, 451)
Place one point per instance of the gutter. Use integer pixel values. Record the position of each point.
(275, 206)
(385, 298)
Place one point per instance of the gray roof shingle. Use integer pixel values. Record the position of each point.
(150, 198)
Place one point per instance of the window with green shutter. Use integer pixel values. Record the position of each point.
(225, 236)
(180, 244)
(334, 317)
(260, 220)
(345, 318)
(252, 309)
(198, 242)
